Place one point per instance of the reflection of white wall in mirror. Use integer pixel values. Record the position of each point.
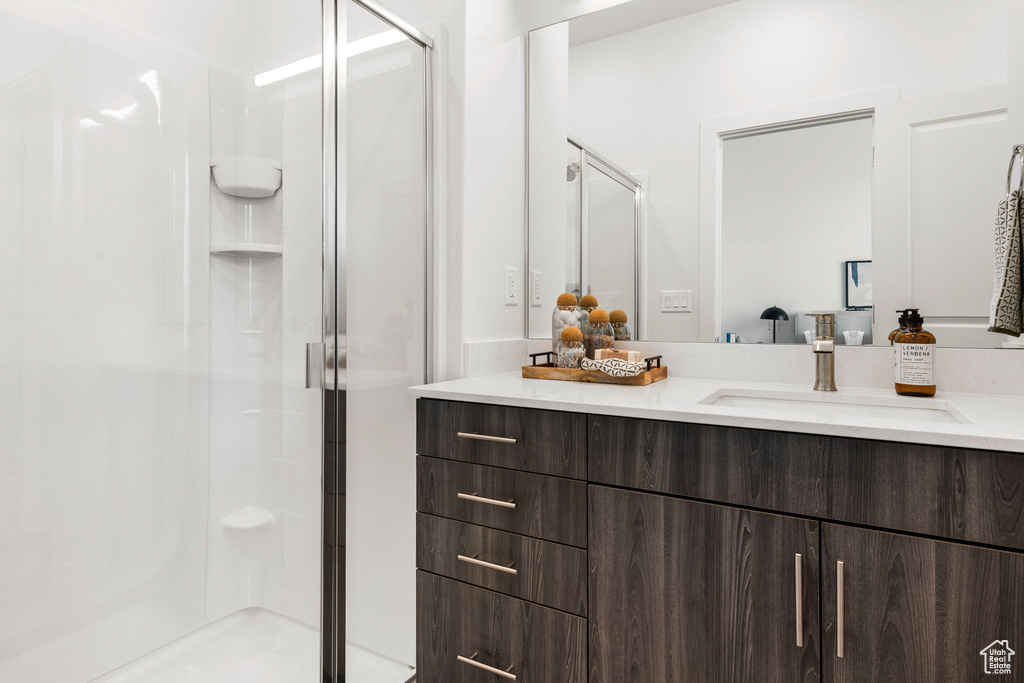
(552, 205)
(728, 60)
(545, 12)
(796, 205)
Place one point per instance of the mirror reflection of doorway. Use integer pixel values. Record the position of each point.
(796, 207)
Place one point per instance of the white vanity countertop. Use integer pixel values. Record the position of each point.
(992, 422)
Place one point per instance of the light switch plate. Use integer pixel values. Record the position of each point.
(535, 298)
(511, 286)
(676, 301)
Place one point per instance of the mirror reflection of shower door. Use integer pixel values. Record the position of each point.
(610, 237)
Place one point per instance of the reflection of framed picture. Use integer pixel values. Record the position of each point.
(858, 285)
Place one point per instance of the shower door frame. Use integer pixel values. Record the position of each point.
(335, 228)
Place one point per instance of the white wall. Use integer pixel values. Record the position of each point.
(639, 97)
(549, 91)
(494, 163)
(796, 204)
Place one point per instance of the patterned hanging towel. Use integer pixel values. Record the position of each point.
(1006, 315)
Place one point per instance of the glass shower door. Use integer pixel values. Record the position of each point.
(160, 454)
(385, 289)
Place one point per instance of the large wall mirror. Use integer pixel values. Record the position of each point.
(718, 168)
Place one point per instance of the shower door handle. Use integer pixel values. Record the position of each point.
(315, 365)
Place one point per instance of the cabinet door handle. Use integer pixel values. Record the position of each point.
(489, 501)
(799, 599)
(489, 669)
(840, 609)
(485, 437)
(488, 565)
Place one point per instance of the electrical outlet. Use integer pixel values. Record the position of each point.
(676, 301)
(535, 298)
(511, 286)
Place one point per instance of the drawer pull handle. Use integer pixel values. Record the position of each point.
(488, 565)
(490, 669)
(490, 501)
(840, 609)
(799, 600)
(485, 437)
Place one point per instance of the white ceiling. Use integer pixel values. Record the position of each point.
(633, 15)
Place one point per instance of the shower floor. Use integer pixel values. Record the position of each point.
(252, 646)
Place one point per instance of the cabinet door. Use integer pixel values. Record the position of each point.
(915, 609)
(685, 591)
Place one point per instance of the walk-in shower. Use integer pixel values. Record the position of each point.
(192, 194)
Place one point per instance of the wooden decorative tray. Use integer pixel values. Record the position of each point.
(654, 373)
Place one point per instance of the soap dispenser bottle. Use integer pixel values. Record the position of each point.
(915, 358)
(901, 328)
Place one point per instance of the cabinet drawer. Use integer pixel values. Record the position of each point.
(539, 571)
(462, 629)
(551, 508)
(749, 467)
(543, 441)
(959, 494)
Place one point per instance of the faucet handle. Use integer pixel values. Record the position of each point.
(824, 327)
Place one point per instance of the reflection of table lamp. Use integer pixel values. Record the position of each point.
(774, 314)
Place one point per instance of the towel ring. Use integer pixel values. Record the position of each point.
(1018, 151)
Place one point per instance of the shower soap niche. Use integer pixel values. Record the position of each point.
(250, 177)
(249, 517)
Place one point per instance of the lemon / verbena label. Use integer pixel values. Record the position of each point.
(915, 364)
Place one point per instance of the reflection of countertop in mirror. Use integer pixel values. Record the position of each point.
(974, 420)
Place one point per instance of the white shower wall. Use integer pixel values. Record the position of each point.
(265, 425)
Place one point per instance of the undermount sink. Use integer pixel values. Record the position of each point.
(837, 407)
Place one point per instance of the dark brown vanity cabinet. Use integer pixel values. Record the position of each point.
(916, 609)
(641, 551)
(686, 591)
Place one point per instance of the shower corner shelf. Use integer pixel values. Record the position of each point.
(245, 249)
(249, 517)
(247, 177)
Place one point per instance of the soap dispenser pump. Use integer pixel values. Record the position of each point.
(901, 328)
(915, 358)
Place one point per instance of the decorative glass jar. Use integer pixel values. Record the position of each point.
(597, 332)
(570, 348)
(588, 302)
(620, 326)
(566, 314)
